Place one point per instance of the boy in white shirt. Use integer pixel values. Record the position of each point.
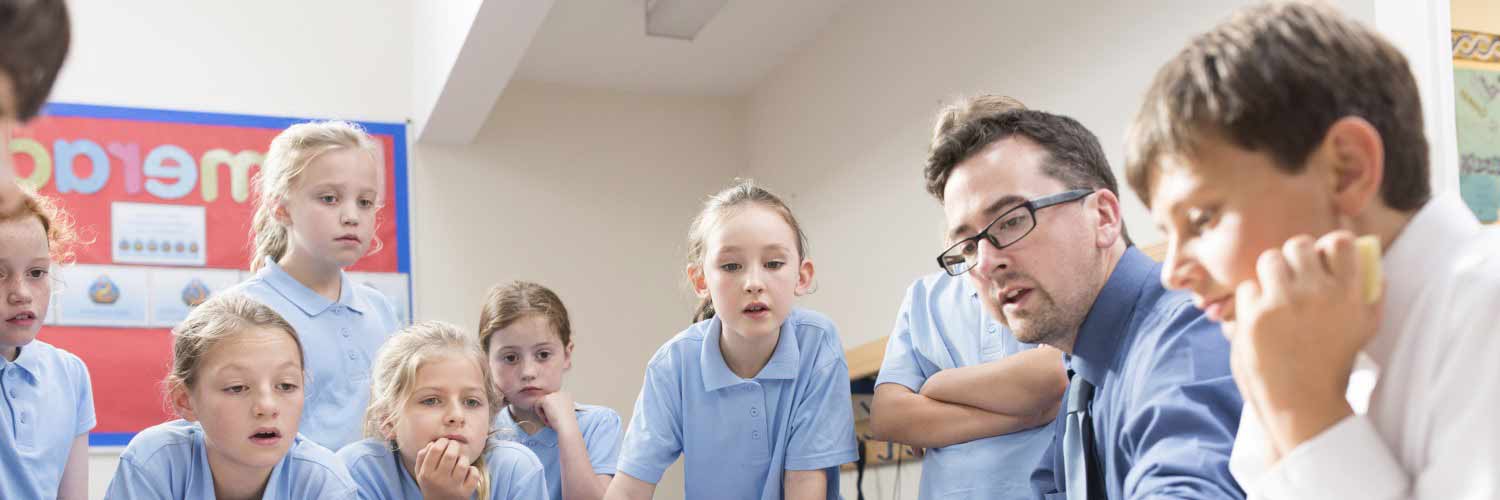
(1263, 149)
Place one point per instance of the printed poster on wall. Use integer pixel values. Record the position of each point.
(1478, 116)
(166, 199)
(148, 233)
(174, 292)
(113, 296)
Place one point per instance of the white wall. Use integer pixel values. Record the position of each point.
(841, 129)
(589, 193)
(335, 59)
(332, 59)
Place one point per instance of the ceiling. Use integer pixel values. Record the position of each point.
(603, 44)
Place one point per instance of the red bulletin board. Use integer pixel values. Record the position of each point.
(89, 157)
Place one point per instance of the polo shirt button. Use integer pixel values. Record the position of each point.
(345, 331)
(754, 434)
(992, 328)
(352, 356)
(754, 412)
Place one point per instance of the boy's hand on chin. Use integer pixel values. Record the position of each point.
(1297, 331)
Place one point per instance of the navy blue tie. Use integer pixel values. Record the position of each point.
(1078, 441)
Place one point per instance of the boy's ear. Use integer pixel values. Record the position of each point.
(1354, 155)
(182, 403)
(568, 357)
(700, 284)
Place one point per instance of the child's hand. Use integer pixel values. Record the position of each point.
(443, 472)
(1296, 335)
(556, 410)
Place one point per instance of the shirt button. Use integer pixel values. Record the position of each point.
(753, 434)
(754, 412)
(352, 356)
(345, 332)
(13, 394)
(992, 328)
(23, 418)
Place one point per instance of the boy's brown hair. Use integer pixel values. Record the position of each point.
(1274, 78)
(34, 37)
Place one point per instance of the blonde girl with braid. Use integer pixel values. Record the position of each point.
(319, 189)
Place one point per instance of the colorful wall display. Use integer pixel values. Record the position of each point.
(165, 198)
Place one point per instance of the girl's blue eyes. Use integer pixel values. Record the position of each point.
(732, 267)
(470, 402)
(331, 199)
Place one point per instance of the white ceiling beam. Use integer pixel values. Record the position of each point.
(485, 40)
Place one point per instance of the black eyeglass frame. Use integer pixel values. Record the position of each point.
(1030, 206)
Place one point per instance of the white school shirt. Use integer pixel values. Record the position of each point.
(170, 461)
(1430, 430)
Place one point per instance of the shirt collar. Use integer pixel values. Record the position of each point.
(544, 436)
(303, 297)
(965, 285)
(1437, 233)
(28, 360)
(1105, 327)
(783, 364)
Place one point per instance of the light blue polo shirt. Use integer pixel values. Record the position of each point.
(48, 403)
(600, 427)
(739, 435)
(514, 471)
(339, 341)
(942, 325)
(169, 461)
